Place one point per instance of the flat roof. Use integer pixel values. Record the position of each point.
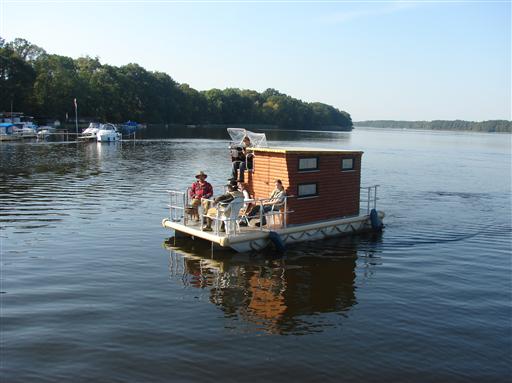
(305, 150)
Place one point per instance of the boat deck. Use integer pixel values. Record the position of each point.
(256, 237)
(246, 233)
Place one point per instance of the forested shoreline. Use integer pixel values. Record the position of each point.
(44, 85)
(492, 126)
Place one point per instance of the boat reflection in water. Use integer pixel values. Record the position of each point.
(277, 295)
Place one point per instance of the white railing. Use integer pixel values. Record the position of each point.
(273, 214)
(369, 197)
(178, 201)
(179, 204)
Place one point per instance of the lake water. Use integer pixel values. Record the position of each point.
(93, 290)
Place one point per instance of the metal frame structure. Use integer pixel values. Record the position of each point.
(179, 202)
(371, 197)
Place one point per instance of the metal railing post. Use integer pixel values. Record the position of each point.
(261, 216)
(177, 206)
(173, 204)
(185, 220)
(170, 207)
(368, 202)
(375, 198)
(285, 211)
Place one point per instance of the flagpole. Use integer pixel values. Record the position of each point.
(76, 118)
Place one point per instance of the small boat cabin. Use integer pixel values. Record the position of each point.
(321, 184)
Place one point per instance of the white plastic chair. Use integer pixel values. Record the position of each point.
(228, 213)
(275, 217)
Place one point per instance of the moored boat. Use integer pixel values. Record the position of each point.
(7, 132)
(26, 130)
(108, 133)
(44, 132)
(130, 127)
(23, 127)
(89, 134)
(324, 198)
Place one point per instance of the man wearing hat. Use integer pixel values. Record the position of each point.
(200, 189)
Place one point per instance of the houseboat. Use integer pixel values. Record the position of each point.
(324, 198)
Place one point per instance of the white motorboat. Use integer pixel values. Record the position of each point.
(25, 130)
(108, 133)
(44, 132)
(90, 133)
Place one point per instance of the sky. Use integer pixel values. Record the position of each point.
(400, 60)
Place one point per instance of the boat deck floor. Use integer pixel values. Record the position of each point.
(221, 237)
(251, 233)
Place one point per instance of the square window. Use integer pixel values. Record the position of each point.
(347, 164)
(308, 163)
(307, 190)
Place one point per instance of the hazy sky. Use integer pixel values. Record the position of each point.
(409, 60)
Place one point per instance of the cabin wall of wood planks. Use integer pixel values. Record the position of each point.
(338, 191)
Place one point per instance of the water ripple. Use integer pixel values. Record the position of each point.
(90, 292)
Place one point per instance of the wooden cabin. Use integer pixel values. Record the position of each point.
(322, 184)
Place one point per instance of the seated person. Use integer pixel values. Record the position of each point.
(200, 189)
(227, 197)
(239, 160)
(274, 203)
(244, 188)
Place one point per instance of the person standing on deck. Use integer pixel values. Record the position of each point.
(199, 190)
(239, 163)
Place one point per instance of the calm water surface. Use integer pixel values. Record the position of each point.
(93, 289)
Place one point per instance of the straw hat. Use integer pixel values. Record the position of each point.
(201, 174)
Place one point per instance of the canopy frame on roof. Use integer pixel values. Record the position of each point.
(258, 140)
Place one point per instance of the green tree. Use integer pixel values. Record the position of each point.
(16, 80)
(108, 105)
(46, 84)
(56, 85)
(26, 50)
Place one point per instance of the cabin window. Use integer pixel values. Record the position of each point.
(347, 164)
(308, 163)
(307, 190)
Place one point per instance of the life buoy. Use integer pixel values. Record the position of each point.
(277, 241)
(375, 220)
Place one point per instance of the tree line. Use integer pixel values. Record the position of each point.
(44, 85)
(494, 126)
